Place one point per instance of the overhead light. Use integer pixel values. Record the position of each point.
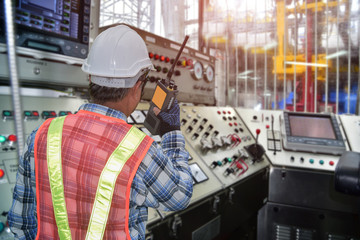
(245, 73)
(270, 45)
(307, 64)
(337, 54)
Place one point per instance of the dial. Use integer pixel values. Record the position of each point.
(197, 71)
(209, 74)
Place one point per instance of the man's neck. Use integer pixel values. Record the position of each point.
(122, 106)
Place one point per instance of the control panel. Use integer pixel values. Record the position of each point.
(35, 111)
(270, 123)
(223, 142)
(194, 73)
(60, 27)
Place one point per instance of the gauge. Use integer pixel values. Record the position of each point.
(209, 74)
(197, 71)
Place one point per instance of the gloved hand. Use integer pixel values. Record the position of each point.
(170, 119)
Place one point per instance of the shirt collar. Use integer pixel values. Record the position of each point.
(101, 109)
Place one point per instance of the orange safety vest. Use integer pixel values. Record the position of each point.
(88, 140)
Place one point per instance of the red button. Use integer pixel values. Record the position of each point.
(12, 138)
(235, 123)
(230, 124)
(167, 59)
(219, 112)
(331, 163)
(224, 112)
(35, 113)
(229, 112)
(2, 173)
(162, 58)
(151, 55)
(157, 56)
(267, 126)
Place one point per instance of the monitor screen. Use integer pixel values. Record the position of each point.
(311, 126)
(59, 26)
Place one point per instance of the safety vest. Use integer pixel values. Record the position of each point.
(84, 165)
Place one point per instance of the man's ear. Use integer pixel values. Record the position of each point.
(135, 89)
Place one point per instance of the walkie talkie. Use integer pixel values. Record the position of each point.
(164, 96)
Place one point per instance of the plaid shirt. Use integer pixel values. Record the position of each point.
(162, 181)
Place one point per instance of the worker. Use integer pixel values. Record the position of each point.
(90, 175)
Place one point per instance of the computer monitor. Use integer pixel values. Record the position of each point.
(57, 26)
(312, 132)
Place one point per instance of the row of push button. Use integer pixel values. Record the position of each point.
(312, 161)
(34, 115)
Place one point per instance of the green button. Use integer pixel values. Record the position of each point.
(7, 113)
(2, 139)
(27, 113)
(46, 113)
(219, 163)
(321, 162)
(311, 161)
(229, 160)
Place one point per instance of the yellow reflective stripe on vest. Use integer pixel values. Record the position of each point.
(108, 177)
(106, 185)
(56, 178)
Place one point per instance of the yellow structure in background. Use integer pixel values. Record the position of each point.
(319, 61)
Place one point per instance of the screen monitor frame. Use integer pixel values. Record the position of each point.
(335, 146)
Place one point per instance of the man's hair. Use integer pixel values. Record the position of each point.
(100, 94)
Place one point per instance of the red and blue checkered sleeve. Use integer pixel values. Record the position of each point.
(22, 216)
(164, 178)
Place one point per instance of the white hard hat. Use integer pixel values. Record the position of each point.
(117, 58)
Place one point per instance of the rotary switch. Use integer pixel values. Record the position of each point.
(205, 145)
(216, 142)
(226, 141)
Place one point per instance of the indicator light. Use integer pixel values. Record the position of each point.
(331, 163)
(190, 63)
(167, 59)
(151, 55)
(2, 139)
(53, 113)
(7, 113)
(218, 112)
(2, 173)
(35, 113)
(321, 162)
(12, 138)
(157, 56)
(27, 113)
(183, 63)
(162, 58)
